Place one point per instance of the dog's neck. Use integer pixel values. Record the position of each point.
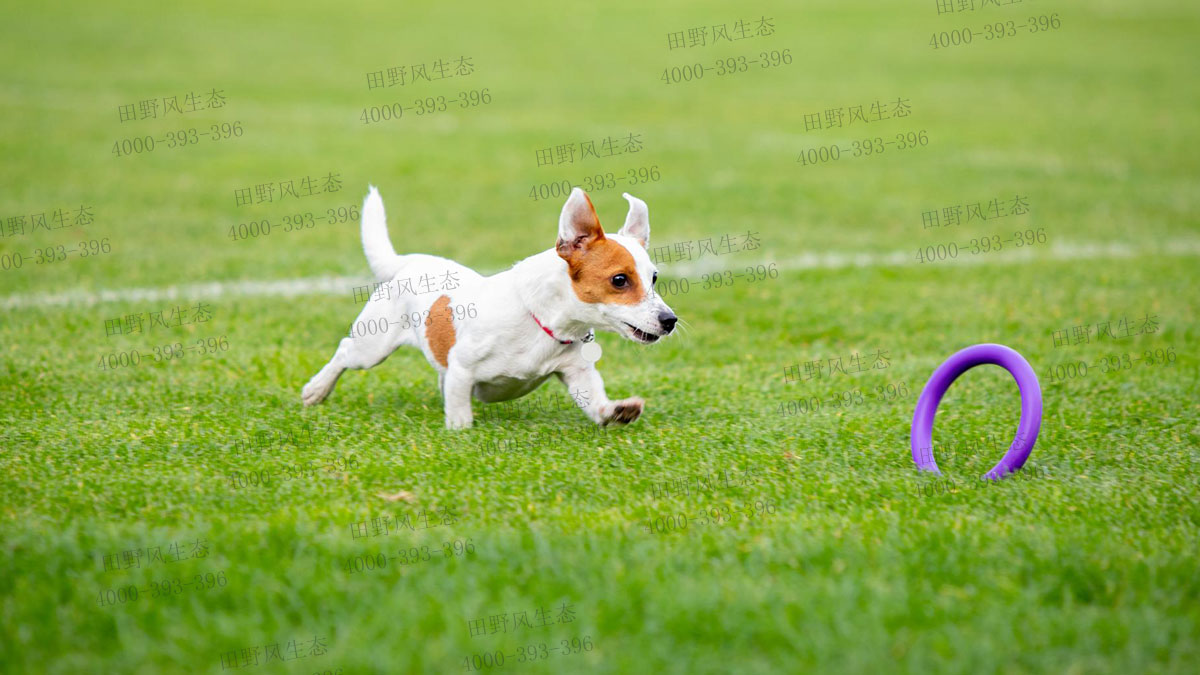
(545, 289)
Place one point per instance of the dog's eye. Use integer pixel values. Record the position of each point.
(620, 281)
(654, 279)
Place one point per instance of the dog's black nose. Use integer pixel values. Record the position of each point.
(667, 320)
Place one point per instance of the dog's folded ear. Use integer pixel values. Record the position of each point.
(578, 226)
(637, 223)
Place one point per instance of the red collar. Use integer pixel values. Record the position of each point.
(590, 336)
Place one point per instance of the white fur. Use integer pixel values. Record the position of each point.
(502, 354)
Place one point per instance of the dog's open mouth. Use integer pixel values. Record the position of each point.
(641, 335)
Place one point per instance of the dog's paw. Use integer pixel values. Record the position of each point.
(313, 392)
(459, 421)
(625, 411)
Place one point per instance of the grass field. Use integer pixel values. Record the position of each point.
(811, 544)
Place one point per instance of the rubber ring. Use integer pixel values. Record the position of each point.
(947, 373)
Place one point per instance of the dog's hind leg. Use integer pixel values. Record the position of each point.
(374, 337)
(322, 383)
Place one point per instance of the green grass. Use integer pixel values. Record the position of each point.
(1088, 567)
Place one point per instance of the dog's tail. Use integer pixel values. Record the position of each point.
(381, 256)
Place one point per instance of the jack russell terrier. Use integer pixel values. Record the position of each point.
(498, 338)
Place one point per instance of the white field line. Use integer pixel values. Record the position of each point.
(344, 286)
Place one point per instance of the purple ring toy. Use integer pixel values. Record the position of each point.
(947, 373)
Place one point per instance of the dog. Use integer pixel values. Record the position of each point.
(498, 338)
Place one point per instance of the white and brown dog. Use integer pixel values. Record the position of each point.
(498, 338)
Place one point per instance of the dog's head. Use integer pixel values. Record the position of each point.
(612, 275)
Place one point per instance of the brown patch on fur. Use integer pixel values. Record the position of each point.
(439, 329)
(588, 227)
(593, 267)
(593, 260)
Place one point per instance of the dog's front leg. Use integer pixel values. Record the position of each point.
(457, 384)
(585, 385)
